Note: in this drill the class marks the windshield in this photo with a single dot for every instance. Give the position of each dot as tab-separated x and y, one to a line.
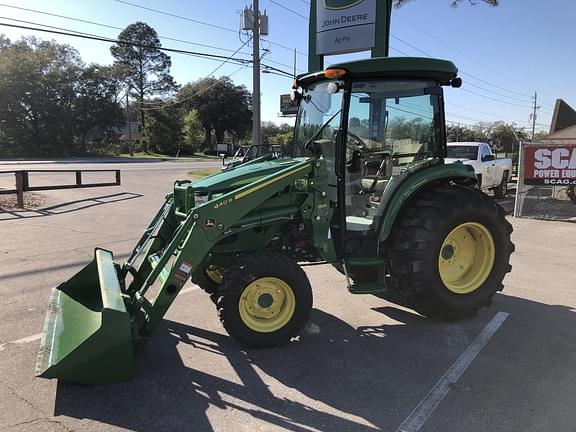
319	113
463	152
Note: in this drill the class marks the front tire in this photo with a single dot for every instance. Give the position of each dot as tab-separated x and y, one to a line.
571	192
264	300
450	251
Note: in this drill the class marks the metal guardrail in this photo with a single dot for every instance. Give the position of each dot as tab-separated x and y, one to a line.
22	180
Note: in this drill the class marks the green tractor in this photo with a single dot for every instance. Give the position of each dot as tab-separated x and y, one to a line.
365	190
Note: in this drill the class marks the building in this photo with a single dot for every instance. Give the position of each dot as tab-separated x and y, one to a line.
563	126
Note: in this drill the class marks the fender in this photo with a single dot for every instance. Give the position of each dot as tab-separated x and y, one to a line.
456	172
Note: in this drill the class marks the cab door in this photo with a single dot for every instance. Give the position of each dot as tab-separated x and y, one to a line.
390	127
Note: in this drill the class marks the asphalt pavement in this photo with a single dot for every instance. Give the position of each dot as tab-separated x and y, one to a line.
362	364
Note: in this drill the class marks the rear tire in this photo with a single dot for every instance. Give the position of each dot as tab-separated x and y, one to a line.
264	300
450	251
501	190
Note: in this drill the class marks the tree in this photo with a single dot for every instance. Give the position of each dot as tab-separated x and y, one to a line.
145	67
505	137
52	104
192	131
463	134
164	128
222	107
96	108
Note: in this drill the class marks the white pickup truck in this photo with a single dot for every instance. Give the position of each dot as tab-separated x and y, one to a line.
493	174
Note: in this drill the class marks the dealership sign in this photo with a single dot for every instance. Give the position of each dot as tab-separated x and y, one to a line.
344	26
550	165
288	107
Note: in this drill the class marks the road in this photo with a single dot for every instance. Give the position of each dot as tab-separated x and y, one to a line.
362	364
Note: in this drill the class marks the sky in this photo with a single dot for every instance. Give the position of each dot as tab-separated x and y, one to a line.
504	54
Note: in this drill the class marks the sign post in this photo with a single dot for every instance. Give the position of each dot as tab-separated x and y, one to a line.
346	26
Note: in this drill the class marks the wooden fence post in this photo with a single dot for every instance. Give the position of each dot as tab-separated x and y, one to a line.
19	188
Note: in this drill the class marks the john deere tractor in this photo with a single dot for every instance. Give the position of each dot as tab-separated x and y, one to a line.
365	190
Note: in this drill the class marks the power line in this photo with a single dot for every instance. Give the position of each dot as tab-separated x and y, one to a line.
210	74
490	84
461	123
121	42
106	26
493	99
496	93
288	9
159	105
456	49
178	16
198	22
480	112
206	56
461	71
411	46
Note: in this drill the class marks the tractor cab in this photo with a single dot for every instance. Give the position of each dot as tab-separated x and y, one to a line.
375	122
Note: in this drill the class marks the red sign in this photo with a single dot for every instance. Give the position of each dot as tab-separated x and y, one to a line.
550	165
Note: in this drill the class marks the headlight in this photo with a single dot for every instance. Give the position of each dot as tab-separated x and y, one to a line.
200	199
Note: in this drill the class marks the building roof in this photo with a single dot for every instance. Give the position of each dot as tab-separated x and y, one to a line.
564	116
568	133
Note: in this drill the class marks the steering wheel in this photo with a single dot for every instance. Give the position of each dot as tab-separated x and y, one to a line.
355	146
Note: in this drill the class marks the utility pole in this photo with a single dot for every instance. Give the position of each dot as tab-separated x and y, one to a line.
256	72
130	148
534	115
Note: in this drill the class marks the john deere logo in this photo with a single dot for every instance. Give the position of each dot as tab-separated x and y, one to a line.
340	4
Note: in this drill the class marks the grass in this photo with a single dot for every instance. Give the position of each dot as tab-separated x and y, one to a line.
201	173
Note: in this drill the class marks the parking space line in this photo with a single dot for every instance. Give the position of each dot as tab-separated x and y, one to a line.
38	336
430	402
23	340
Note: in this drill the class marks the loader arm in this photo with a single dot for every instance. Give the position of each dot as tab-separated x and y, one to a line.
96	318
203	227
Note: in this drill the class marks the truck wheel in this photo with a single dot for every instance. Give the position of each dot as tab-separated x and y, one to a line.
571	192
450	251
501	190
264	300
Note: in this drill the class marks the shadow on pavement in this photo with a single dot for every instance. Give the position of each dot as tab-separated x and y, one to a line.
67	207
43	270
354	379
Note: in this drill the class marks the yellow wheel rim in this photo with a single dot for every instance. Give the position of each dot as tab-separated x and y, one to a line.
215	274
267	304
466	258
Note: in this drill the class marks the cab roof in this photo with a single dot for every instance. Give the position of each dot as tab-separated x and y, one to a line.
392	67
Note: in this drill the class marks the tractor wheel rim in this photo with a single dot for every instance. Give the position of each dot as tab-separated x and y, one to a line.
214	274
466	258
267	304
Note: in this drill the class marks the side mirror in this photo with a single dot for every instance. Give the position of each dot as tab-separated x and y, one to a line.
295	97
488	158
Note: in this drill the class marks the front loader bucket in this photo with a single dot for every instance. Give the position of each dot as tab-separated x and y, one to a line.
87	334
